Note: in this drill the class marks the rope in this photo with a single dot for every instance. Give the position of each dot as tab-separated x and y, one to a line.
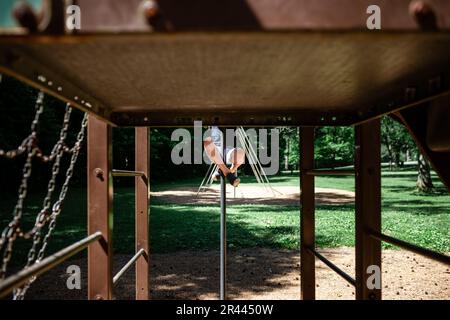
258	164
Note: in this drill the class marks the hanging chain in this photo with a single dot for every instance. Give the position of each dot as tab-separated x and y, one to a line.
10	233
57	206
22	148
11	154
48	213
58	149
19	294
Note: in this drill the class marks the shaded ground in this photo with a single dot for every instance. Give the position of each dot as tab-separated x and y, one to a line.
250	194
259	274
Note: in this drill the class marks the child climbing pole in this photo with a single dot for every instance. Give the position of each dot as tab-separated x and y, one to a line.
234	156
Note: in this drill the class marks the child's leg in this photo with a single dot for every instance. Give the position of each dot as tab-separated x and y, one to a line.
237	157
215	155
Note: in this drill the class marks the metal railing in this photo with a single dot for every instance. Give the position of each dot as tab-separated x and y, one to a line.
20	278
433	255
333	267
127	266
330	172
127	173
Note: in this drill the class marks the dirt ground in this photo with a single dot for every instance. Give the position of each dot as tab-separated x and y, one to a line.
247	194
258	274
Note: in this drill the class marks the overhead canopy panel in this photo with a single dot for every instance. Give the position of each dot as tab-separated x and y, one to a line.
256	63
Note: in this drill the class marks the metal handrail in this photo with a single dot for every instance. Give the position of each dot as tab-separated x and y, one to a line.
330	172
411	247
127	173
127	266
333	267
20	278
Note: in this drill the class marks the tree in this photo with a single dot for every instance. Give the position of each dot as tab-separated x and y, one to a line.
396	141
424	182
289	147
334	146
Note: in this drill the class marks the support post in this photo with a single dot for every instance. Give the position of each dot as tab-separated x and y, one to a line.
100	195
142	192
368	208
223	230
307	220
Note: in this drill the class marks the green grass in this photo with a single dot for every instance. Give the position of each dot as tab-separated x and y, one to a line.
407	214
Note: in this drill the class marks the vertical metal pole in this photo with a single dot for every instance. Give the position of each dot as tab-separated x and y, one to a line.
235	145
368	206
307	220
223	230
100	195
142	192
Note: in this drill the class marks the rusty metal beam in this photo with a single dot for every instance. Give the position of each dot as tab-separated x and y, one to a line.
307	220
415	121
100	196
142	183
244	117
36	73
113	15
368	205
83	65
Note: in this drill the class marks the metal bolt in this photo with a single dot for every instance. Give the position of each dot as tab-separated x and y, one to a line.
25	16
424	15
150	9
410	94
419	8
98	173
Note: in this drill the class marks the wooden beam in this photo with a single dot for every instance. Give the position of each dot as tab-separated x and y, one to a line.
307	221
100	195
142	161
368	206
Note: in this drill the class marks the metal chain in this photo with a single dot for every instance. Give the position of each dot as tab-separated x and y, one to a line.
43	216
19	294
11	154
9	234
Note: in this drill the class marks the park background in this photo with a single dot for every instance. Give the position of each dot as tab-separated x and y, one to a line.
185	236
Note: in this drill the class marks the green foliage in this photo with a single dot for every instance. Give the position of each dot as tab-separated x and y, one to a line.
334	146
289	147
396	141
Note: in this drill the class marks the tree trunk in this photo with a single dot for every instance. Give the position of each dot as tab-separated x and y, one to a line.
424	182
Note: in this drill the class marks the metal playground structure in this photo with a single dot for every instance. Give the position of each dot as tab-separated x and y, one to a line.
226	63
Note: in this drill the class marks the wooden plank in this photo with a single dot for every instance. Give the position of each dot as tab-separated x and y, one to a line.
368	206
307	220
142	193
100	195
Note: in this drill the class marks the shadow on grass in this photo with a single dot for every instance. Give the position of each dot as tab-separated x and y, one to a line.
190	228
